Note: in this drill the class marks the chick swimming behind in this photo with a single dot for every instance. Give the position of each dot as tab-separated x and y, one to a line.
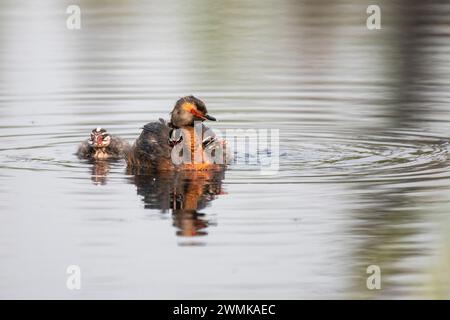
101	146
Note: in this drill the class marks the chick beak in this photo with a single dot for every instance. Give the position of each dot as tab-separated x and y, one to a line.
99	140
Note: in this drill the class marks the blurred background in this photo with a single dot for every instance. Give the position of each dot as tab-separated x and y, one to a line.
364	118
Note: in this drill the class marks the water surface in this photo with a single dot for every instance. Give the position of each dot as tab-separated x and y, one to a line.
364	176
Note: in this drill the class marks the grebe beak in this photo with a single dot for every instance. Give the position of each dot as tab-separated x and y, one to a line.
207	116
200	115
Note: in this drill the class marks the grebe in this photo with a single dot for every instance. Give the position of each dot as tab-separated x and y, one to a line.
154	148
101	146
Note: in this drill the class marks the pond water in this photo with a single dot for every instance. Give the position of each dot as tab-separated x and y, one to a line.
363	119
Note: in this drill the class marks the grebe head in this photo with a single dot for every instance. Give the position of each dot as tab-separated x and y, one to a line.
187	110
99	138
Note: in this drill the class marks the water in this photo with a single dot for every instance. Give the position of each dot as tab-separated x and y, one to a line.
364	174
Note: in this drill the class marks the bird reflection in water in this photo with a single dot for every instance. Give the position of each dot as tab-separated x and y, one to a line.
99	171
184	194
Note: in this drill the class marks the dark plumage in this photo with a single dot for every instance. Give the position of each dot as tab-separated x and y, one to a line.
152	150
